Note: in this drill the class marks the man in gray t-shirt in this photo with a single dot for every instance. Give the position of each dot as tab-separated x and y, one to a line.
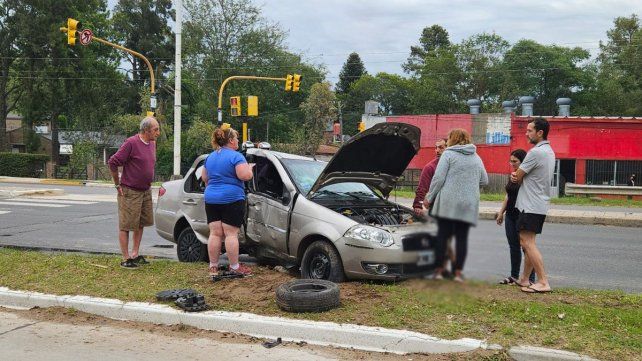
535	175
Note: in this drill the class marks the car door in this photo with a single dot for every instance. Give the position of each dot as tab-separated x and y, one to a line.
193	202
269	204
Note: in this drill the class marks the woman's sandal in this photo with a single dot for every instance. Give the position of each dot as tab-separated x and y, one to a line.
507	281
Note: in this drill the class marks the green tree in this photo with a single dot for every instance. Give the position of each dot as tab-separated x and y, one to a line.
10	89
432	39
143	26
226	38
544	71
392	91
479	58
352	70
320	110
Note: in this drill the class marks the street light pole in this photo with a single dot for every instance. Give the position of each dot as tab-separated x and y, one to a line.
177	91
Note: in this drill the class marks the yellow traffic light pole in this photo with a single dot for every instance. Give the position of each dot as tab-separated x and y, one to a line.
247	77
136	54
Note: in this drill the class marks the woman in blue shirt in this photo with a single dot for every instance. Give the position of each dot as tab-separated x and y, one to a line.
224	173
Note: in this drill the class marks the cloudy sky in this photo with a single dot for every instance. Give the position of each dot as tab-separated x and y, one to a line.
382	31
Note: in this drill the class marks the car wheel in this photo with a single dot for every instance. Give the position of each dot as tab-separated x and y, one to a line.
307	296
321	261
189	248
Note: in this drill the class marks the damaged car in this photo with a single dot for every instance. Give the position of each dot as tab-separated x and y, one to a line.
332	220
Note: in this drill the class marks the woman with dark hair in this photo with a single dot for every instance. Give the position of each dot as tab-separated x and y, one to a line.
510	221
224	172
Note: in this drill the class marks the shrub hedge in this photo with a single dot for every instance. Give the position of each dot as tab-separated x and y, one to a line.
22	164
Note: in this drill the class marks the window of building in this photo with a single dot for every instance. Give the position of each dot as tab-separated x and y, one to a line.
612	172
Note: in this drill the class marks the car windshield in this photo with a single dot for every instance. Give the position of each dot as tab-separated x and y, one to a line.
305	172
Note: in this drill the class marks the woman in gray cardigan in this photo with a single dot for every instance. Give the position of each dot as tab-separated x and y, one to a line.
454	197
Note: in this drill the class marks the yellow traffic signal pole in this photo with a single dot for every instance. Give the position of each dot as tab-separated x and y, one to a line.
220	96
136	54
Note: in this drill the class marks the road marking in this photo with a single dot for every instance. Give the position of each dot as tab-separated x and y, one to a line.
54	201
5	212
48	205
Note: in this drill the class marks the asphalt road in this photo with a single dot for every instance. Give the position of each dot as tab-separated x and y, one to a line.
599	257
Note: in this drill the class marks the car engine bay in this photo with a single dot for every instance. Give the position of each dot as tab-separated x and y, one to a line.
378	216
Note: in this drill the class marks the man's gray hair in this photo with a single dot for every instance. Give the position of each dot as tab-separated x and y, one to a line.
146	123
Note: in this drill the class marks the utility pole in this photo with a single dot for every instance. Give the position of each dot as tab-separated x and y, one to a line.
340	123
177	91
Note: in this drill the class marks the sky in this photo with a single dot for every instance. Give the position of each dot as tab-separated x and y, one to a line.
382	31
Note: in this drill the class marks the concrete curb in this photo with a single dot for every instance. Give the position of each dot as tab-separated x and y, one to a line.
620	219
530	353
313	332
27	192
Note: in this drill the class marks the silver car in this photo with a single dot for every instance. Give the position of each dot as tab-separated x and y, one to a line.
333	220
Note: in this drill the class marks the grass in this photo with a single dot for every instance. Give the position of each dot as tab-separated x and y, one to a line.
576	201
602	324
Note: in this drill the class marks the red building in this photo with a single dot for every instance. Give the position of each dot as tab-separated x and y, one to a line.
589	150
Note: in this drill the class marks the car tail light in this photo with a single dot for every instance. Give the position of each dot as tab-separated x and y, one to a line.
161	191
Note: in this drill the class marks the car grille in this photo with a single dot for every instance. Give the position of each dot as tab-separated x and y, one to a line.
418	242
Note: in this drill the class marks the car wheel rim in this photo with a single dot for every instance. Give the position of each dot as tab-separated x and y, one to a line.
191	247
319	266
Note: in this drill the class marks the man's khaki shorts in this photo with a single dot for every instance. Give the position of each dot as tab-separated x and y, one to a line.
135	209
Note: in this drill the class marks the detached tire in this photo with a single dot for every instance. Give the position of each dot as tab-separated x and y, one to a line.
307	295
321	261
189	248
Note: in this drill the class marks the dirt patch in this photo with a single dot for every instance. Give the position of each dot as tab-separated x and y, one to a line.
73	317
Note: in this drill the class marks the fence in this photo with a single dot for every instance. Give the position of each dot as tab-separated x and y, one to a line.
496	182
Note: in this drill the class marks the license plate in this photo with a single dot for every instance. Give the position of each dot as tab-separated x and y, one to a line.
426	258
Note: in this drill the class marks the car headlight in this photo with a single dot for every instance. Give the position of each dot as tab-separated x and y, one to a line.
372	234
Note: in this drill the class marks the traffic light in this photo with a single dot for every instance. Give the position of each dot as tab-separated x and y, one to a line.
72	27
296	82
252	106
362	126
288	82
235	106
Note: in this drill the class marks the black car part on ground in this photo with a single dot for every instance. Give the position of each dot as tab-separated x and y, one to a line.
192	303
226	274
307	295
171	295
270	344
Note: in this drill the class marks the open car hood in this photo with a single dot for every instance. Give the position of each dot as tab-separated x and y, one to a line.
376	157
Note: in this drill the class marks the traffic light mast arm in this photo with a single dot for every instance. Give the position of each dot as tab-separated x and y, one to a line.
246	77
136	54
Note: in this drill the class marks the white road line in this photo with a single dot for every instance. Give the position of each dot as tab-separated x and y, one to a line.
5	212
48	205
54	201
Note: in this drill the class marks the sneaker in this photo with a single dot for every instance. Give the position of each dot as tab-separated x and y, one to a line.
438	277
213	271
459	279
140	260
129	264
243	269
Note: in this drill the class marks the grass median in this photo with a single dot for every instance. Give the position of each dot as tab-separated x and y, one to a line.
602	324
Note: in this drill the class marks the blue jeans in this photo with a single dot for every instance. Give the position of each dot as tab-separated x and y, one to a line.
512	234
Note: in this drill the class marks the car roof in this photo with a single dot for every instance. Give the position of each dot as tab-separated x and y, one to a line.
279	155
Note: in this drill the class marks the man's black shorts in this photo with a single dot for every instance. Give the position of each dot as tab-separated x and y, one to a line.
229	213
530	222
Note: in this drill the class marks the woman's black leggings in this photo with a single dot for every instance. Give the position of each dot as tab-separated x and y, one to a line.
512	235
448	228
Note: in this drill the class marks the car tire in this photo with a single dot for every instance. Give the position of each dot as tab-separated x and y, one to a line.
322	261
189	248
307	295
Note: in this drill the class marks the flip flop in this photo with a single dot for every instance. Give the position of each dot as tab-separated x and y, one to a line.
530	289
522	285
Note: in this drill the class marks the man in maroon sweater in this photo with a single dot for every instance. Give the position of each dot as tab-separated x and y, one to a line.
424	186
137	156
426	178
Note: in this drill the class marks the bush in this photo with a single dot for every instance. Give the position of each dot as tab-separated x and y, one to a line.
22	164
